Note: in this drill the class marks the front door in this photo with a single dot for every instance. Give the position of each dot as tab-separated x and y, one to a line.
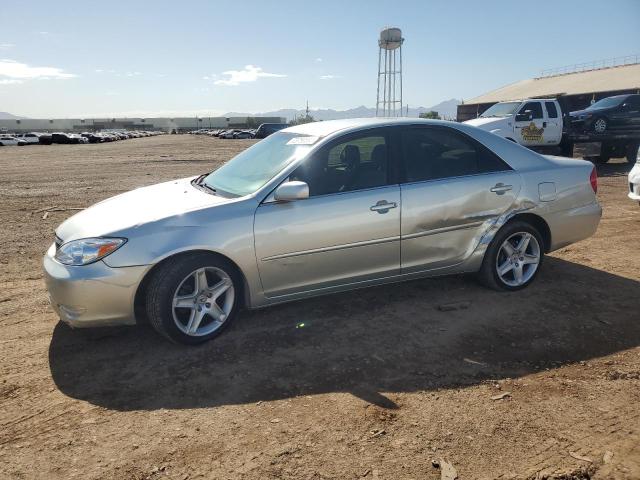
627	115
347	231
454	189
529	124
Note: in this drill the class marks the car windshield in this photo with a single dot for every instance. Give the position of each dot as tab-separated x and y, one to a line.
606	103
505	109
247	172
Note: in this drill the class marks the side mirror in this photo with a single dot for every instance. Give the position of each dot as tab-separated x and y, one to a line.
525	116
290	191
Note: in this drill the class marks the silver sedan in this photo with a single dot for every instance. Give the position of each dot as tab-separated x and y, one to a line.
316	209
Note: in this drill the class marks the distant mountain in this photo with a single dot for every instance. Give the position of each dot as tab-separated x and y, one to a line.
9	116
446	109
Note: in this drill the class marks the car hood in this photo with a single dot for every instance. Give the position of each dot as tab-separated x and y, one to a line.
579	112
488	123
138	207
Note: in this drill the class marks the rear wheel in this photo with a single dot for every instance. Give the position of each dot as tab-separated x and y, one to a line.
192	299
513	258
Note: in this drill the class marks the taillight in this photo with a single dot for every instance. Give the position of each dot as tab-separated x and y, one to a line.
594	180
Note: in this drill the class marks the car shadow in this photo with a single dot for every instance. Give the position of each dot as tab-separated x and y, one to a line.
415	336
615	168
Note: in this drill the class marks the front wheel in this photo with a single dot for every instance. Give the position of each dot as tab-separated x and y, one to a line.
192	299
600	125
513	258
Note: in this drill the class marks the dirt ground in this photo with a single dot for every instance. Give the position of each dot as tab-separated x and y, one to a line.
373	384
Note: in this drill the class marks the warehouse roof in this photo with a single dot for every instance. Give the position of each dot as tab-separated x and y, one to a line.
625	77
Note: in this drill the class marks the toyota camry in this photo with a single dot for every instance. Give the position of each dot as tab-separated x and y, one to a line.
316	209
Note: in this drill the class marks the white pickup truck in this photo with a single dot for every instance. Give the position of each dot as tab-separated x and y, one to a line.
532	122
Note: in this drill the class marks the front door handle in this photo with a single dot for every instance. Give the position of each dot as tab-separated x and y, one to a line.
501	188
383	206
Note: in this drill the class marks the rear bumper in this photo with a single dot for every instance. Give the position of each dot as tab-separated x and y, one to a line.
94	295
573	225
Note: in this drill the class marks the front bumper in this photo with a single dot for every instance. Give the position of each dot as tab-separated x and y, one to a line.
94	295
634	183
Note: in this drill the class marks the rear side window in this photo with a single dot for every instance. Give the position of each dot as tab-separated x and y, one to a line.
552	111
434	153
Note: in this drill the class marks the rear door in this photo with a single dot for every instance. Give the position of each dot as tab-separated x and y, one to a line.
552	124
453	189
529	124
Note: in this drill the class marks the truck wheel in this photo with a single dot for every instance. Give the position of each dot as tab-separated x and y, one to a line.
566	148
600	125
632	152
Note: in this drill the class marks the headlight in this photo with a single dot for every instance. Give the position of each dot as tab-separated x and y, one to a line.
585	116
87	250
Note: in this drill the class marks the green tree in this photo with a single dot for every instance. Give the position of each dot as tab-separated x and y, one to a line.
302	119
432	115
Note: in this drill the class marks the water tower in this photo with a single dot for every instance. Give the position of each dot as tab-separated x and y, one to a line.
389	98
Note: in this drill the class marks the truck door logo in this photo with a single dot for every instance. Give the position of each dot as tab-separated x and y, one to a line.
531	133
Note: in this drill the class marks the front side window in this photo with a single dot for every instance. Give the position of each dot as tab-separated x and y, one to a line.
357	163
435	153
534	107
252	169
633	102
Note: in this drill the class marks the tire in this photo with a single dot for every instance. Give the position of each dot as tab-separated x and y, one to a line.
496	255
632	152
600	125
174	281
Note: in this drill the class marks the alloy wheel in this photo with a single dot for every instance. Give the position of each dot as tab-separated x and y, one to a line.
203	301
600	125
518	259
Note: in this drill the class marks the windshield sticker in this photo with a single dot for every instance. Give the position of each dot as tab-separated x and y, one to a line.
302	140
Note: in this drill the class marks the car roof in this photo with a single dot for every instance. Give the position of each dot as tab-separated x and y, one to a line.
322	129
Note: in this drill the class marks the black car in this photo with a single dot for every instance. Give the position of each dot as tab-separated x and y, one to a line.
267	129
620	112
45	139
92	137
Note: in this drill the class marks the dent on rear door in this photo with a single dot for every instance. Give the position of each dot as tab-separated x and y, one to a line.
444	220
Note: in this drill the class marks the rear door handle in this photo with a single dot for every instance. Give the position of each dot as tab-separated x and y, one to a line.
383	206
501	188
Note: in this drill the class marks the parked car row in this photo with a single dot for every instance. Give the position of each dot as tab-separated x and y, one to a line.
227	133
34	138
263	131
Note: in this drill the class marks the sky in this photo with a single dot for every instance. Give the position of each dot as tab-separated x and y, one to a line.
168	58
